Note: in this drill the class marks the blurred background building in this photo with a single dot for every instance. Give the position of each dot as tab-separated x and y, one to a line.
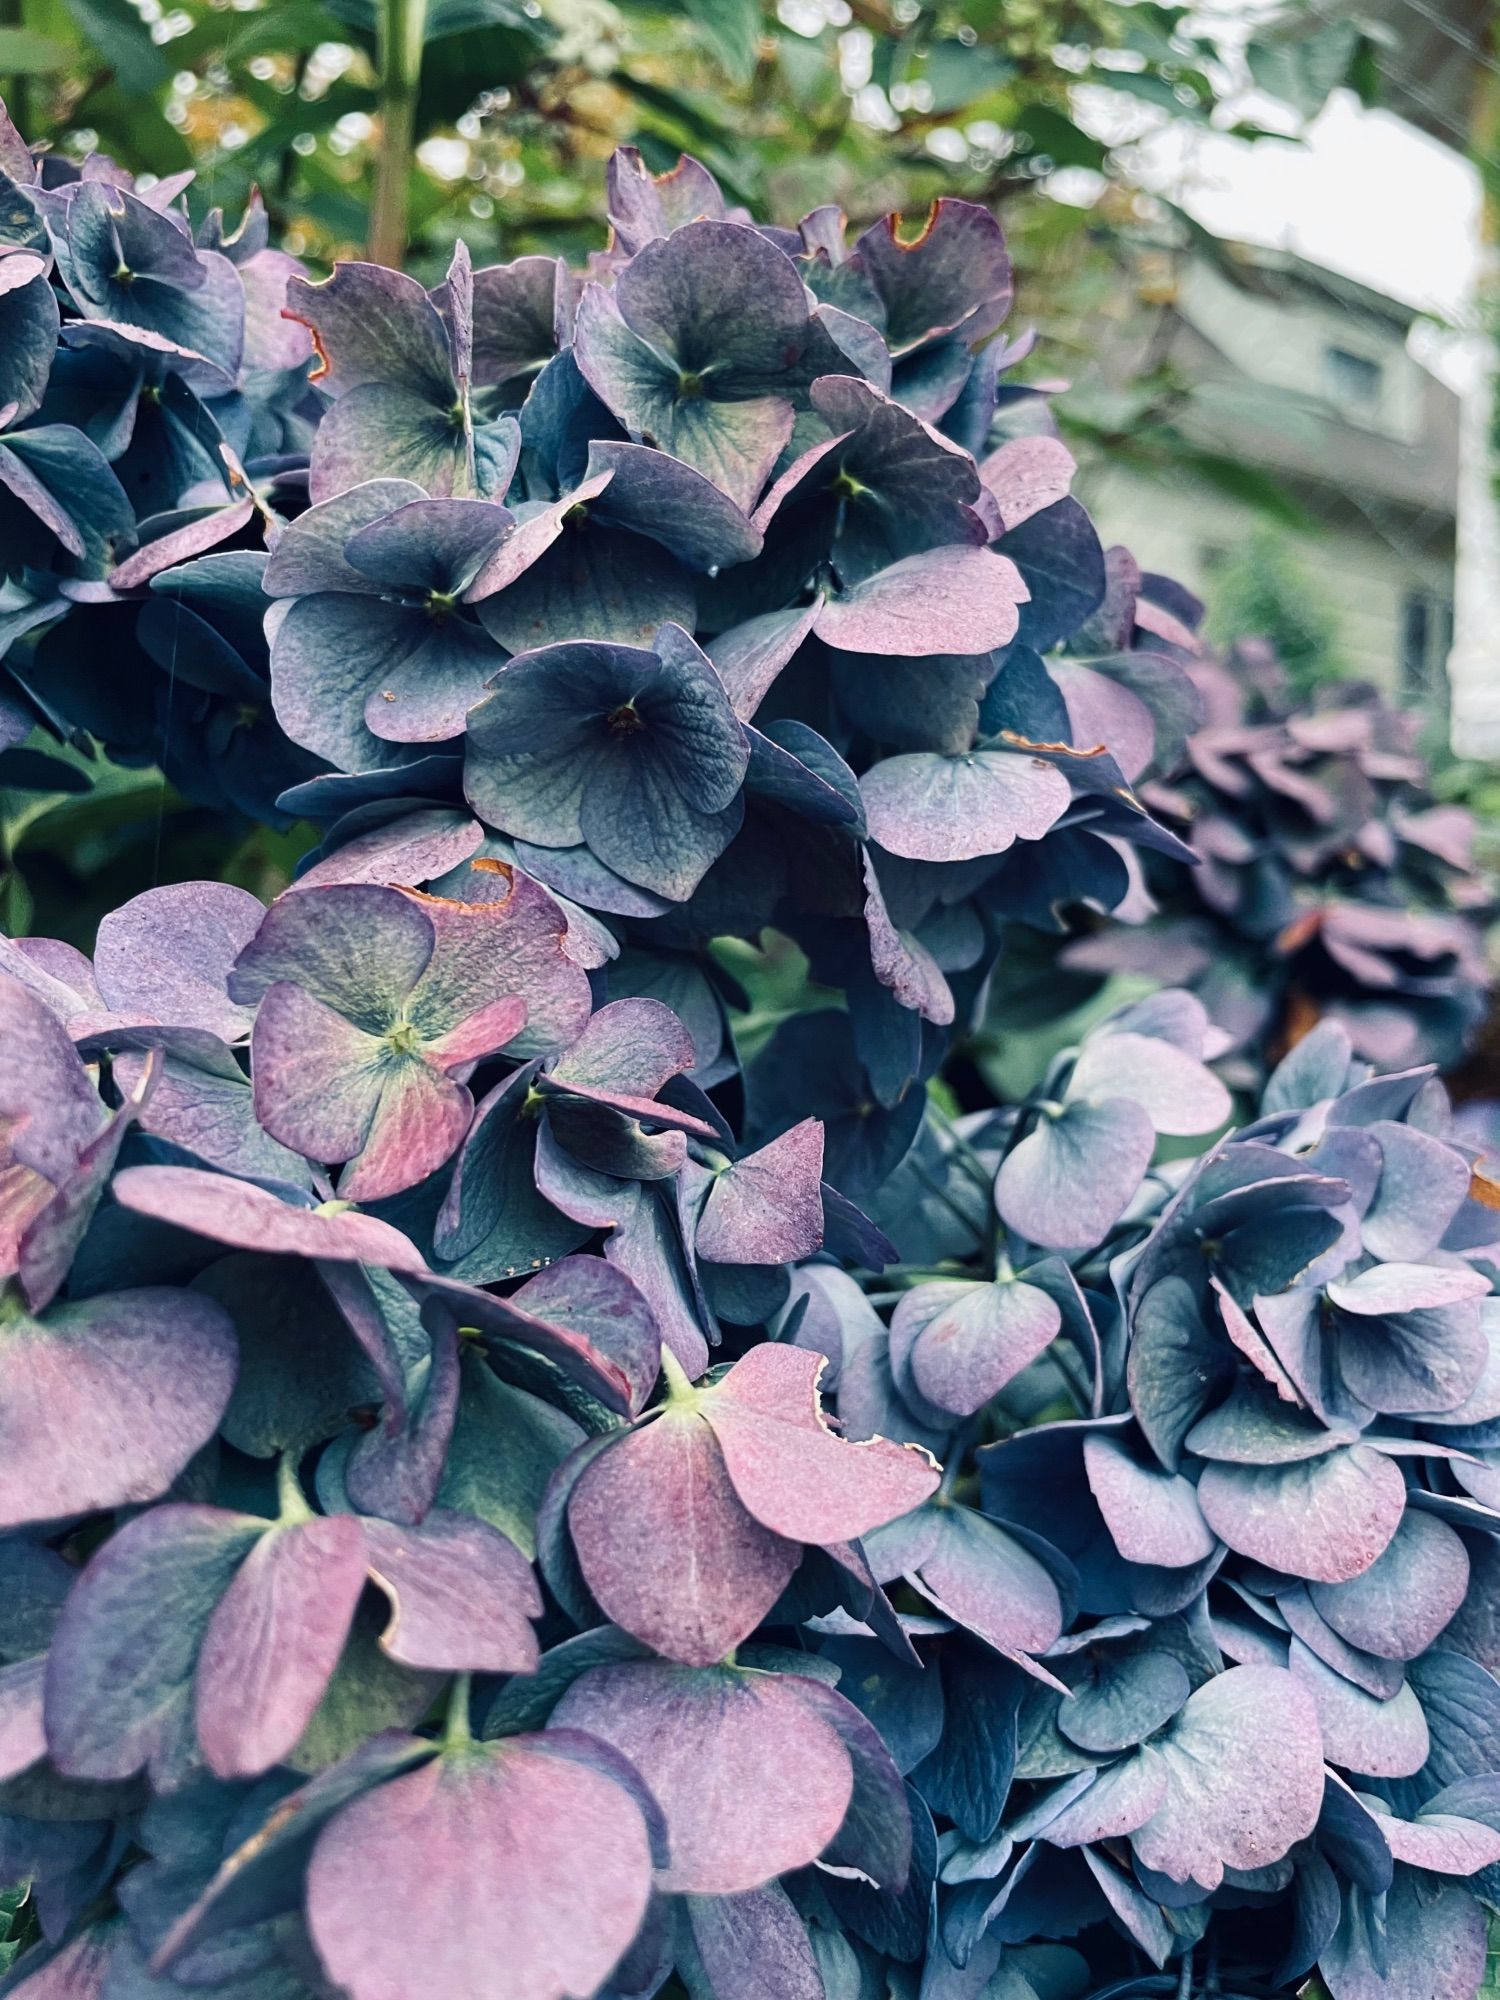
1306	378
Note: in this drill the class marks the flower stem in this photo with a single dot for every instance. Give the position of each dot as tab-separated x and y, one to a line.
679	1388
401	29
457	1732
292	1499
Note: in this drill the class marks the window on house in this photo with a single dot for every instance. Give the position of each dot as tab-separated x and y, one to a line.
1416	628
1353	381
1426	638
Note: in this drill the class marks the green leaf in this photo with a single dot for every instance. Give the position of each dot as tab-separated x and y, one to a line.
24	52
957	74
1303	66
1059	138
732	30
117	31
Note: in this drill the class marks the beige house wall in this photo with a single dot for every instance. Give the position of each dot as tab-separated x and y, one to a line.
1181	527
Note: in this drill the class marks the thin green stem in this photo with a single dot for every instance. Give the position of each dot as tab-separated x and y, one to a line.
401	30
679	1388
967	1157
457	1732
292	1499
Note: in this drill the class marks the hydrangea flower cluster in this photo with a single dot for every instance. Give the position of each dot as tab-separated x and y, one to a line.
686	584
1327	879
500	1498
372	1619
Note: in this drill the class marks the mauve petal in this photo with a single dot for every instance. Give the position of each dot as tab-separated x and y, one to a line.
790	1470
1153	1516
23	1739
752	1782
461	1594
928	807
666	1546
420	1123
768	1207
103	1402
952	600
274	1641
1244	1761
1326	1519
318	1079
534	1875
359	947
972	1339
250	1218
166	956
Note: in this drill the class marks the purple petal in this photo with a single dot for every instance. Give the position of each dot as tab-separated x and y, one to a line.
1429	1940
319	1080
249	1218
23	1739
397	1469
194	538
461	1595
548	1859
309	555
166	955
1398	1606
1442	1843
52	1236
1362	1734
502	935
1026	474
1069	1181
119	1674
752	1944
969	1340
768	1207
666	1546
51	1109
874	1843
370	324
752	1782
657	495
1244	1764
358	947
103	1402
986	1580
1152	1516
793	1474
262	1874
635	1046
1177	1092
749	657
644	1244
1405	1288
274	1640
951	600
1423	1184
594	1299
928	807
956	272
415	849
1326	1519
203	1104
553	1346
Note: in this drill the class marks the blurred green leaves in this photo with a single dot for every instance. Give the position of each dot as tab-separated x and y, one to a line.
868	103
